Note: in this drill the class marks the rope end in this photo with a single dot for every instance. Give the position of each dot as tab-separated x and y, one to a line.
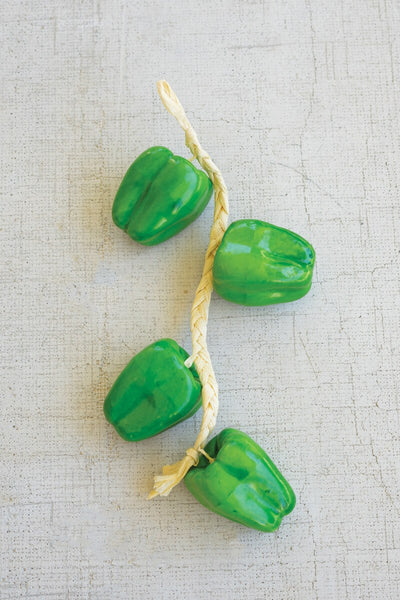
190	360
173	474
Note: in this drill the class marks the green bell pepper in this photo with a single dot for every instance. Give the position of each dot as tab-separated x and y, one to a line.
160	195
258	263
154	392
242	483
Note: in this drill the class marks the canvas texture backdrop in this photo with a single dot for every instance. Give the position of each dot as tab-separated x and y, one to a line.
297	101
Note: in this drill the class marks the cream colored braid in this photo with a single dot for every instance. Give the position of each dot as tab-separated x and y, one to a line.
173	474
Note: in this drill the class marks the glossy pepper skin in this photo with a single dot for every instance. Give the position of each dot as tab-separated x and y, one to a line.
242	484
160	195
154	392
258	263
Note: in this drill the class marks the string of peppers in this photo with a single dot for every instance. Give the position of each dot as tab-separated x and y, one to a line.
252	263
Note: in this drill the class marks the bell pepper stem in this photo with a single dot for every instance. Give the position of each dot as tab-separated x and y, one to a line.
173	474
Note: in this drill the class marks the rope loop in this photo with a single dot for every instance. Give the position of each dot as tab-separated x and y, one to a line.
193	453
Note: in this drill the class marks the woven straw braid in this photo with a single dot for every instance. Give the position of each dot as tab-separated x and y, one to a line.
173	474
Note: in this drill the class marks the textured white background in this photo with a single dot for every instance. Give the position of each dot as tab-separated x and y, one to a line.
298	103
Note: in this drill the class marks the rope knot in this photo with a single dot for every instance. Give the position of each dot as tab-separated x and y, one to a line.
193	453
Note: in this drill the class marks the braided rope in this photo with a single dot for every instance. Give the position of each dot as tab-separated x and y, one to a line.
173	474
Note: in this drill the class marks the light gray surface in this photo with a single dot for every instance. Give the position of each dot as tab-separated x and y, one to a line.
298	103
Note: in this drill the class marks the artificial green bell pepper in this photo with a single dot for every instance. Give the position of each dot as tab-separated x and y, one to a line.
258	263
242	484
154	392
160	195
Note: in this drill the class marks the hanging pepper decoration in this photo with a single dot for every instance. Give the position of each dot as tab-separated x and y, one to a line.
252	263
